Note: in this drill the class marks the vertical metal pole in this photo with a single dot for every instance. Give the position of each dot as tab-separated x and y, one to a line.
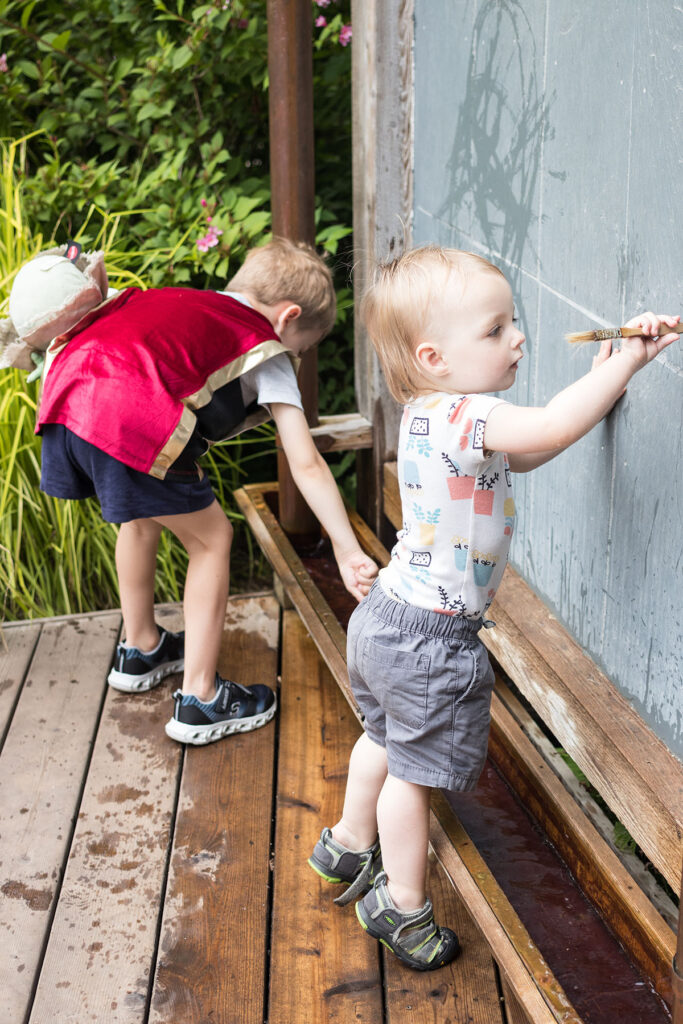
292	172
678	967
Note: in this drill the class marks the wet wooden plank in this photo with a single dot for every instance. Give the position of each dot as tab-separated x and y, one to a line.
521	963
17	643
599	872
41	774
212	952
465	990
321	621
101	947
322	962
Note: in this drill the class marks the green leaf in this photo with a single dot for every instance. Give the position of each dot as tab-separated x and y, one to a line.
182	56
61	41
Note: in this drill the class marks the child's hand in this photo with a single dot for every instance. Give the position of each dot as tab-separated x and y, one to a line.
357	572
644	348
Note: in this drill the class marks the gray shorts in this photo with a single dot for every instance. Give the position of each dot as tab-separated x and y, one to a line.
423	682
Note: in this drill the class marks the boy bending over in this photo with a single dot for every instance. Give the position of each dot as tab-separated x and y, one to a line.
137	386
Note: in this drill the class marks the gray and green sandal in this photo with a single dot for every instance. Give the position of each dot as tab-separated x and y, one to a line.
335	863
413	937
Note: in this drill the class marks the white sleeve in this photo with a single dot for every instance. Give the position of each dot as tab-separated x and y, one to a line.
273	381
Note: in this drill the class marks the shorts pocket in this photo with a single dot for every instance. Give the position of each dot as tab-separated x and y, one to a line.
399	682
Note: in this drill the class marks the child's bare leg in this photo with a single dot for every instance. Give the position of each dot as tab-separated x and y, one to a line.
357	827
403	818
207	537
136	553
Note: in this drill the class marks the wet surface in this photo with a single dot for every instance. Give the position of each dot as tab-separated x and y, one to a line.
586	959
589	963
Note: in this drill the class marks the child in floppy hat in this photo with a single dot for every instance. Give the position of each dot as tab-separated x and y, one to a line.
137	385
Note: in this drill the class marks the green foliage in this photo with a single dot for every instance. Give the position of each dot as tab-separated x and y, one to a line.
45	543
139	122
148	108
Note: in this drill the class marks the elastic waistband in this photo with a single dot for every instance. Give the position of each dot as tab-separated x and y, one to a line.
412	619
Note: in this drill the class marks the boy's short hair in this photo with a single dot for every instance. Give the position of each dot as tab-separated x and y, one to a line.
282	269
399	308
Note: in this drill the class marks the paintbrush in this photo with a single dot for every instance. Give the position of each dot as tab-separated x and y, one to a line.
618	332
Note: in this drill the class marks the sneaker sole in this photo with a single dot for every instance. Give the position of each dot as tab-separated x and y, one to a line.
138	684
322	872
398	950
201	734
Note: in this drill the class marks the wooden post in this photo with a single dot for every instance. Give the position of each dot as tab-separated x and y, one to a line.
678	967
382	91
292	172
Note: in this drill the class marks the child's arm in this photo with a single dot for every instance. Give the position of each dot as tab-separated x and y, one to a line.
524	463
315	481
542	432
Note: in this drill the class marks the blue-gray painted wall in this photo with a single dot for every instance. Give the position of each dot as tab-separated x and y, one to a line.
547	137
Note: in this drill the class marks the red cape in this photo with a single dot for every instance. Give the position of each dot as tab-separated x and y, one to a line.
135	376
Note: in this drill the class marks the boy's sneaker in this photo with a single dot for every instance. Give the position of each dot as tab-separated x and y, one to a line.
235	708
335	863
135	671
413	936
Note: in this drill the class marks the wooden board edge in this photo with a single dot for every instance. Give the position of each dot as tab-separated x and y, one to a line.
599	872
537	991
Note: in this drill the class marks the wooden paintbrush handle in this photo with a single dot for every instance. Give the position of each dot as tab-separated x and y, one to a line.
632	332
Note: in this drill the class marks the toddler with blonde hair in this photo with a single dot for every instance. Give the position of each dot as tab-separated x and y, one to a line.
444	326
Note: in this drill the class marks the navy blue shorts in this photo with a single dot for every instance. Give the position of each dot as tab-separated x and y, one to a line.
73	468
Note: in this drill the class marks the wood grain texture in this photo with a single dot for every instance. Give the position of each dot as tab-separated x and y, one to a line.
640	780
16	649
102	942
212	952
599	872
41	769
320	620
324	967
521	963
346	432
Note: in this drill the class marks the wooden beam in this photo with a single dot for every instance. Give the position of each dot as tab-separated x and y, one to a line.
41	768
347	432
322	967
292	175
519	959
597	869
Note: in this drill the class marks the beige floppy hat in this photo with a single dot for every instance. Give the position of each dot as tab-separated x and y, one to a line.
50	294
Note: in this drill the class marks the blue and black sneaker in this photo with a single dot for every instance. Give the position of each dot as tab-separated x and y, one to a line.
235	708
135	670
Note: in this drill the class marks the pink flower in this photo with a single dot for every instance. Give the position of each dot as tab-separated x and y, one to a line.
203	202
3	62
209	239
323	3
320	22
345	35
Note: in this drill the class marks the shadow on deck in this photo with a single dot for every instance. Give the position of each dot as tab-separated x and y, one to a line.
141	881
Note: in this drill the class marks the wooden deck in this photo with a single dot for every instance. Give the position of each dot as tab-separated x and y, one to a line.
141	881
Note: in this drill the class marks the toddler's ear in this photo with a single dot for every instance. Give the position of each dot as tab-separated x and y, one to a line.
429	359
